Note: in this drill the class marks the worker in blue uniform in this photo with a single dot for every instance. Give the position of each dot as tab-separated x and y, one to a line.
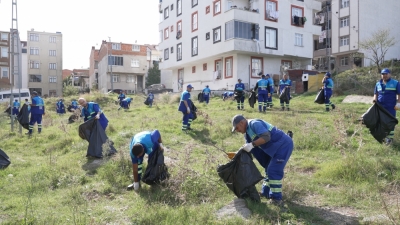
91	110
37	112
60	107
28	105
150	99
74	104
184	106
272	149
328	86
285	83
121	97
262	88
270	90
239	89
15	109
126	103
146	142
387	94
227	94
206	94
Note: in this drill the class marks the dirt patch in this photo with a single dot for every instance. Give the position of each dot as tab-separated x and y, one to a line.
358	99
237	207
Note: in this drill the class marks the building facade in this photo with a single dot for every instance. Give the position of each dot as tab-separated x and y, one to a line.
5	60
215	42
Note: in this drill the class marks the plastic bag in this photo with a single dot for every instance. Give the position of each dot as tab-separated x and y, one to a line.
320	98
156	170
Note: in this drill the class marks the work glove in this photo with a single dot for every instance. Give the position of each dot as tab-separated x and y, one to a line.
161	147
188	110
136	186
397	107
248	147
97	116
269	94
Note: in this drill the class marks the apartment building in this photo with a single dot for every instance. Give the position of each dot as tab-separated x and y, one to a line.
45	63
344	23
215	42
5	62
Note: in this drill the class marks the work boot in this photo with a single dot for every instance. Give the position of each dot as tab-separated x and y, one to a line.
327	109
275	202
189	128
288	109
283	109
333	106
389	141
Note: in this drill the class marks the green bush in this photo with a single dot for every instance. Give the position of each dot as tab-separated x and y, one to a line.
70	91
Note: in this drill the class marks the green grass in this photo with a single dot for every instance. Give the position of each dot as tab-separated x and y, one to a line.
335	163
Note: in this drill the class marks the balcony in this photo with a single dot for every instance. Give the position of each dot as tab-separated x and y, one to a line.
245	5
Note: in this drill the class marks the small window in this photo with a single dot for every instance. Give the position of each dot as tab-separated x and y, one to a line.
53	39
4	37
194	46
298	16
179	52
166	13
34	65
135	63
207	9
34	51
172	28
33	37
172	7
271	10
344	3
52	93
298	39
166	54
35	78
207	35
217	7
344	61
344	22
193	69
271	38
194	21
178	7
256	66
116	46
4	52
52	79
204	66
228	67
217	34
52	66
344	41
172	50
4	72
136	48
194	3
130	79
115	78
166	33
52	53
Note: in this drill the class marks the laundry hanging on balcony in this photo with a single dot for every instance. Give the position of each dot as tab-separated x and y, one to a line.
272	14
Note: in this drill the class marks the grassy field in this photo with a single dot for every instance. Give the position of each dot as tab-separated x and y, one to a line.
337	174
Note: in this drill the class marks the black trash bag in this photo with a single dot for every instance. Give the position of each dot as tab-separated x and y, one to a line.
241	175
23	117
69	108
147	101
284	95
8	111
252	99
92	131
156	170
379	121
193	110
320	98
4	160
238	95
200	97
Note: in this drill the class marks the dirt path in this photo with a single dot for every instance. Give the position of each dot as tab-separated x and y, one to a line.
358	99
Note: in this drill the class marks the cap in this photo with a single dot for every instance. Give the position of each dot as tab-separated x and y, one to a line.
239	79
385	71
267	75
34	93
263	75
328	74
190	86
206	85
235	120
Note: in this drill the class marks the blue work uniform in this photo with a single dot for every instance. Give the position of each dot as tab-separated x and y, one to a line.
126	103
271	91
90	111
262	87
60	107
282	85
121	97
149	141
150	99
328	86
37	111
227	94
74	104
206	94
239	88
272	155
16	106
187	117
387	96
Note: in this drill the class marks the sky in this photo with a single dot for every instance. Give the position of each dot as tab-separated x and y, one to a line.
85	23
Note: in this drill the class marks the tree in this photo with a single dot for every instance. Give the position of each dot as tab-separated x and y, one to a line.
153	76
377	46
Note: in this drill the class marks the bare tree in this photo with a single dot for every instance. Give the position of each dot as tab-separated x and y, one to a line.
377	45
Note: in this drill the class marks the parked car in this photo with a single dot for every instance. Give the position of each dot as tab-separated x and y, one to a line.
157	88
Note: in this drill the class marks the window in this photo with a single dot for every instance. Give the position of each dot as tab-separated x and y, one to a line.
52	53
115	78
344	61
218	68
271	8
136	48
194	3
4	72
204	66
166	13
271	38
297	16
161	35
207	10
179	29
52	39
166	54
116	46
171	7
344	22
344	40
194	21
52	79
298	39
344	3
33	37
207	35
217	7
193	69
172	50
4	37
4	52
243	30
228	67
172	28
217	34
179	52
35	78
115	60
166	33
256	66
286	63
52	93
34	64
178	7
194	46
34	51
52	66
135	63
130	79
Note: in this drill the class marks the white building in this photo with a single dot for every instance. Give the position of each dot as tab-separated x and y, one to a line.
215	42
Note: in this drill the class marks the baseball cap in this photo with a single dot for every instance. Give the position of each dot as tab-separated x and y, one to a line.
328	74
190	86
267	75
235	120
240	79
385	71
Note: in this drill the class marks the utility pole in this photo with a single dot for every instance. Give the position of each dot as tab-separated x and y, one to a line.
112	61
328	42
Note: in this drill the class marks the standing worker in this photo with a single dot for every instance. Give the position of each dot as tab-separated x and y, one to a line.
387	93
262	86
37	111
285	83
91	110
206	94
150	99
121	97
270	90
272	149
15	109
328	86
239	90
184	106
74	104
60	107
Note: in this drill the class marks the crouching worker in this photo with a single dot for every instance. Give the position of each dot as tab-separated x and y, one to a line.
272	149
146	142
126	103
91	110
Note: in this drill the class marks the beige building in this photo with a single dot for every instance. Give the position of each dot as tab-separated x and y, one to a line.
45	63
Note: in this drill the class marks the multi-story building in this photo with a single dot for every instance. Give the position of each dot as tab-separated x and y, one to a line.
128	64
215	42
345	23
5	62
45	63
